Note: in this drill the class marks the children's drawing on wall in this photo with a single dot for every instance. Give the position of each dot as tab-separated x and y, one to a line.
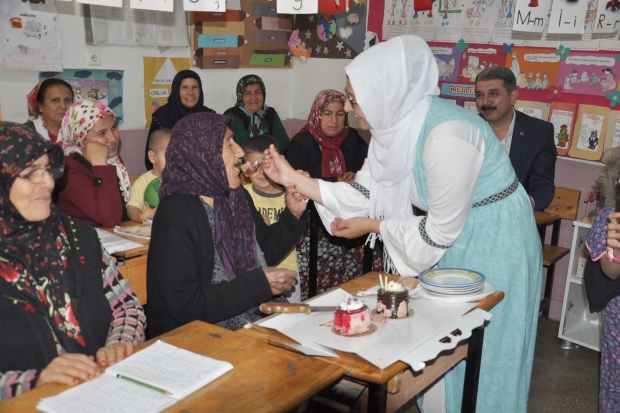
448	60
562	121
477	10
588	25
616	137
612	5
504	14
591	127
392	11
534	69
448	8
586	74
474	61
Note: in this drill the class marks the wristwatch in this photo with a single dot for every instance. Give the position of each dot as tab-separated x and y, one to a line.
610	256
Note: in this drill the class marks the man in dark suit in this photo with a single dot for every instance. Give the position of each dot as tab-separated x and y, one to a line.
528	141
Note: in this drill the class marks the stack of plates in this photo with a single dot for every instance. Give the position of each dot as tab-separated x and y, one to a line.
449	282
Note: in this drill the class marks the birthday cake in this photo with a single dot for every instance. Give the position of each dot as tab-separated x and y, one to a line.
352	318
393	300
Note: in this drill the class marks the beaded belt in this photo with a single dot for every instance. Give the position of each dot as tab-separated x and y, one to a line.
489	200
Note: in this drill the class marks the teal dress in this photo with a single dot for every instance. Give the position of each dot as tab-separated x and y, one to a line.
501	241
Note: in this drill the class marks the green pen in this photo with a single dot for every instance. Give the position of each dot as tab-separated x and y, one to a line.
148	386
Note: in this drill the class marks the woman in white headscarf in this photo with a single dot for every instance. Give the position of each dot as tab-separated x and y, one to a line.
444	160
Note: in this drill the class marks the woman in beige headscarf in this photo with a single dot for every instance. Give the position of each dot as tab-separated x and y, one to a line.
444	160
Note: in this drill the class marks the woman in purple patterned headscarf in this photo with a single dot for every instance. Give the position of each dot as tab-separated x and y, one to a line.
210	248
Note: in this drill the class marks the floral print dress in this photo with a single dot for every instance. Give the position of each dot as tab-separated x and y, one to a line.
609	393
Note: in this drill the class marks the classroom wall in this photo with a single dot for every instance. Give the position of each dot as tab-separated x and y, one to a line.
290	91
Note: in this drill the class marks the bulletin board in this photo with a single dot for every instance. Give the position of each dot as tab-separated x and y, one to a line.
248	34
571	80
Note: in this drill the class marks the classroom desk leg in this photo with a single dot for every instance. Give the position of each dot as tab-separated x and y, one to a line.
472	371
377	398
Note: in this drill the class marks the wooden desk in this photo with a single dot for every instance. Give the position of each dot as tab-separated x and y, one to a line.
134	260
543	219
264	378
378	380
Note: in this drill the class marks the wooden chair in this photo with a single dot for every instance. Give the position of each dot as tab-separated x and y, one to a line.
564	205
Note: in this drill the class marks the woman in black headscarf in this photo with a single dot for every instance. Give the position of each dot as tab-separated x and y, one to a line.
210	249
63	303
186	98
251	115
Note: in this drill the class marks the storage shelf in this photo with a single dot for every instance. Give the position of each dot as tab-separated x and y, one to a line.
582	332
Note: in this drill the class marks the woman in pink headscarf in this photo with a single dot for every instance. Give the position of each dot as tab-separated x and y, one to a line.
95	187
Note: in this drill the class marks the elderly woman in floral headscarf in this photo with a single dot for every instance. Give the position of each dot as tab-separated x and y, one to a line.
64	308
252	117
328	149
95	187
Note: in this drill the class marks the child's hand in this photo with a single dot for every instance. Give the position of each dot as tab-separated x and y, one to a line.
266	219
148	212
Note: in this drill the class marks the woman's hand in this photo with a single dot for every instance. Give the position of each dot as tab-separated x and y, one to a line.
95	153
348	177
113	353
354	227
69	369
280	279
277	168
296	202
613	232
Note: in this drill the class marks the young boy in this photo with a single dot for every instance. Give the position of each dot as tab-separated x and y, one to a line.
269	199
137	209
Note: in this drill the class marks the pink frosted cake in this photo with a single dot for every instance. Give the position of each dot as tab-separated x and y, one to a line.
352	318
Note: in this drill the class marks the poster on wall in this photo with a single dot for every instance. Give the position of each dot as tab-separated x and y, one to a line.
28	37
248	34
589	133
337	31
538	110
104	86
448	61
562	116
588	74
613	130
158	75
534	68
607	19
476	59
567	16
135	27
531	15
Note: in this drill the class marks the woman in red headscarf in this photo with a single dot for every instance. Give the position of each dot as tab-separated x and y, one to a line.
327	148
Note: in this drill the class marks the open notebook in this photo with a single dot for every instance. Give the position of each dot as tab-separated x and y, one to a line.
148	381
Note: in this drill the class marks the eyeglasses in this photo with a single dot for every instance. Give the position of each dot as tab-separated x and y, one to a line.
350	99
36	176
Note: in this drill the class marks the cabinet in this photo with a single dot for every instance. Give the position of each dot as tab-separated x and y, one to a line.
578	325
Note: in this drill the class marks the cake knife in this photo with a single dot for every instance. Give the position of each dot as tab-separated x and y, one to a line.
287	308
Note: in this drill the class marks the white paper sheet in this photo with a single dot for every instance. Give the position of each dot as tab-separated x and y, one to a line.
159	5
298	6
204	5
28	37
567	16
531	15
113	243
135	27
388	344
174	369
106	394
107	3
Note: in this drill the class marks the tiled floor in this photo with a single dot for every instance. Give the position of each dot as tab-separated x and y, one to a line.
563	381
